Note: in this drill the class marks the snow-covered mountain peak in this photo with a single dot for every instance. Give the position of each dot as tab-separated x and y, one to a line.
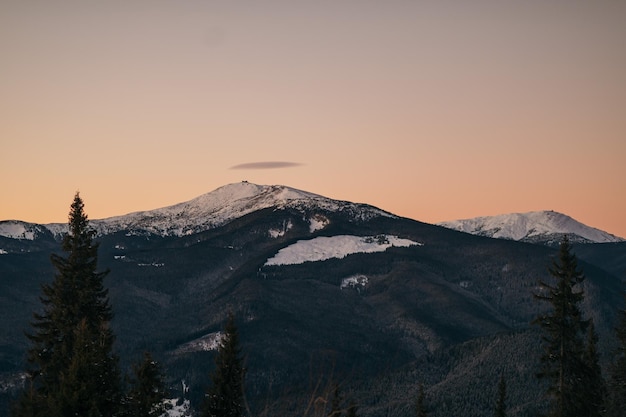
250	194
537	226
221	206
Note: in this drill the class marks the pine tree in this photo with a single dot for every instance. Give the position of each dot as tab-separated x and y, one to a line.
617	381
147	394
564	328
420	408
71	355
594	388
501	401
225	396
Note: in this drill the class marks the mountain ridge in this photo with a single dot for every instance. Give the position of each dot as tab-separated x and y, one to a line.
228	202
205	212
546	227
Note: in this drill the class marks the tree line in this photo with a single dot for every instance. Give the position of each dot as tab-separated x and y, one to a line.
73	370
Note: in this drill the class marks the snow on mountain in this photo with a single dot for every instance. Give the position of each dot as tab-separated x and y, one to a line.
357	282
208	342
16	229
223	205
322	248
175	407
536	226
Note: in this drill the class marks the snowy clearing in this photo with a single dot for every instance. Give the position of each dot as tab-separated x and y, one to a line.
322	248
210	341
318	222
355	281
275	233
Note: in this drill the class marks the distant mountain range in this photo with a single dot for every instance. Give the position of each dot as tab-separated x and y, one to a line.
546	227
231	201
322	290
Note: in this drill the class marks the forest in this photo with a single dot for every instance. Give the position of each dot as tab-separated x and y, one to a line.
74	369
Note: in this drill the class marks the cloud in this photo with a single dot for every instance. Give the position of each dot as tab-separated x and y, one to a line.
266	165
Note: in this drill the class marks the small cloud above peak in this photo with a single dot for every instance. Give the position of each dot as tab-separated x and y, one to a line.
267	165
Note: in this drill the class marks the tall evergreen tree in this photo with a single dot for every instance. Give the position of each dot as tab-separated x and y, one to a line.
71	356
500	410
225	396
147	393
617	381
420	408
594	387
564	328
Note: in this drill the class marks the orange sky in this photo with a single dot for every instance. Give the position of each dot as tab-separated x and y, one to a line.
431	110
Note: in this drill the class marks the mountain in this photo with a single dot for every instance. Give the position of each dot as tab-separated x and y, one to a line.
221	206
546	227
208	211
323	290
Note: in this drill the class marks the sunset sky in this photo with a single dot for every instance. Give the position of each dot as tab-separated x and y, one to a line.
434	110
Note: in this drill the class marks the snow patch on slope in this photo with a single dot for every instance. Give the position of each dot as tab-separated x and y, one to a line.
209	342
174	409
318	222
276	233
322	248
358	282
530	226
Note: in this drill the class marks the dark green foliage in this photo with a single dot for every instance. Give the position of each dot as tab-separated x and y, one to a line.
147	393
73	370
225	396
90	384
500	410
617	381
594	389
420	408
564	362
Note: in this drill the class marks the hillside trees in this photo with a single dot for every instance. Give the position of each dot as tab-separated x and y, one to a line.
225	396
73	370
500	410
147	393
567	361
595	390
420	408
617	380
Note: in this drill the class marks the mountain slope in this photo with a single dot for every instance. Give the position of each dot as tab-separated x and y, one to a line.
545	227
321	289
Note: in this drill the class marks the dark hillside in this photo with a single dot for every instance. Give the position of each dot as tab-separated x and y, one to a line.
452	313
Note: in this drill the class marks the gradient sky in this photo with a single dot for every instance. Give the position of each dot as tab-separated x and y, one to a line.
431	110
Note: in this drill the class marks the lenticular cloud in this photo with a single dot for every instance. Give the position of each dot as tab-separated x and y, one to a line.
266	165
